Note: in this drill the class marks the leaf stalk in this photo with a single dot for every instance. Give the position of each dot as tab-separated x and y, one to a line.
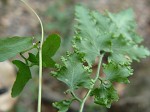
76	97
96	78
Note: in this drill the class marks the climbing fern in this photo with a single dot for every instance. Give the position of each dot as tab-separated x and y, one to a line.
108	35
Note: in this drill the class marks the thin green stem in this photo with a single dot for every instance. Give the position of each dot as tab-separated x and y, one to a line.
24	58
40	58
34	46
76	97
96	78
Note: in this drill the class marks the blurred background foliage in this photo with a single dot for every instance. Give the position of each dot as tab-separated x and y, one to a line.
58	17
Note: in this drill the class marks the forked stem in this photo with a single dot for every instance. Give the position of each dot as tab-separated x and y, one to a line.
40	57
94	81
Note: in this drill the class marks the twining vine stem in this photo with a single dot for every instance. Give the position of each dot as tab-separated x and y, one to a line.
94	81
40	57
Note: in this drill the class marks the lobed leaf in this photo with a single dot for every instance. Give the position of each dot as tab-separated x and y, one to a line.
50	46
33	59
105	95
115	36
102	23
125	24
117	73
90	39
120	48
124	51
23	76
63	106
138	52
10	47
73	73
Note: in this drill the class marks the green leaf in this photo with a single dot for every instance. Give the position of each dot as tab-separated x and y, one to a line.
119	58
124	51
105	95
123	19
48	62
111	35
10	47
117	73
119	50
23	76
73	73
114	34
125	25
63	106
102	22
138	52
33	58
90	39
50	46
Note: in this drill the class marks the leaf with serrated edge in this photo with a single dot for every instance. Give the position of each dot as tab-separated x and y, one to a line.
10	47
102	22
105	95
113	35
125	24
120	48
117	73
62	106
73	74
138	52
89	40
127	51
23	76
